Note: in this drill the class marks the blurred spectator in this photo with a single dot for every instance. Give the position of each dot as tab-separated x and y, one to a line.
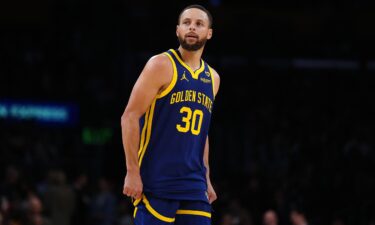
34	211
338	221
229	219
59	198
270	217
11	190
103	205
82	199
298	217
236	214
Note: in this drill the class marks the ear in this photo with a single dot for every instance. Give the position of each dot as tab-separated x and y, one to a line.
177	30
209	35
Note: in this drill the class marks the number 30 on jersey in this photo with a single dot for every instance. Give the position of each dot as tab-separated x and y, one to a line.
191	120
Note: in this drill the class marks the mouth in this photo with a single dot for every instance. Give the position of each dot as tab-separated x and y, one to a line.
191	35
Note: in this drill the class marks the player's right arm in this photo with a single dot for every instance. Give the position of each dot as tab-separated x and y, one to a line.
154	78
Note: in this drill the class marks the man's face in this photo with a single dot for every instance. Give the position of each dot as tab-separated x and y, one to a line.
193	29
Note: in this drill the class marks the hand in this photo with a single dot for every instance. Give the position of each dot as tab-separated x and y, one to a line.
133	186
211	194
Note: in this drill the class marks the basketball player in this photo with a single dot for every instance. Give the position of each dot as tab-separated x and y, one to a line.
165	130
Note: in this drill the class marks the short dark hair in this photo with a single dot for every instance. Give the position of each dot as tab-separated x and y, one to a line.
196	6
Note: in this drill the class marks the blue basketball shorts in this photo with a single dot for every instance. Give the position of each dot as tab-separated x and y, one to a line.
157	211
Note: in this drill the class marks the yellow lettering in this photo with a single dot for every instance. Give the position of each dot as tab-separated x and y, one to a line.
173	98
209	105
206	101
191	96
187	95
178	97
194	94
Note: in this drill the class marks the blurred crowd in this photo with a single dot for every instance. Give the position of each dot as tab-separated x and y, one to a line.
292	149
56	201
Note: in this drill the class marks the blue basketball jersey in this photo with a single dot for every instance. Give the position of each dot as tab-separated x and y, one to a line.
174	132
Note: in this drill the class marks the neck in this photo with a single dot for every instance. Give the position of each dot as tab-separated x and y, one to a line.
191	58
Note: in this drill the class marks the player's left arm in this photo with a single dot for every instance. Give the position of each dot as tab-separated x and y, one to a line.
210	190
216	81
211	194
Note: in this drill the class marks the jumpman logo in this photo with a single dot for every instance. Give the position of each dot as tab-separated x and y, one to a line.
184	77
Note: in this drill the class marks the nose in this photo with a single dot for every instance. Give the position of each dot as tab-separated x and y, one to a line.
192	27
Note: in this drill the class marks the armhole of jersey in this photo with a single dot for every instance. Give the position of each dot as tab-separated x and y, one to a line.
213	81
174	78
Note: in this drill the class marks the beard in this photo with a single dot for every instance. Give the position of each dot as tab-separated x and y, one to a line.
192	47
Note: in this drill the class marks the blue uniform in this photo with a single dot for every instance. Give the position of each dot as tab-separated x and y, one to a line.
173	137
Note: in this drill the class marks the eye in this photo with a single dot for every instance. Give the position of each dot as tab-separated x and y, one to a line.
200	24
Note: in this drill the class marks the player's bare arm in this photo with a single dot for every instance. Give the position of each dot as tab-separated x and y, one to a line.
210	190
211	194
216	81
155	77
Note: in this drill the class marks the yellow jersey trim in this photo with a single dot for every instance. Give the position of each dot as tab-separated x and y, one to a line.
143	134
135	212
213	80
156	214
174	78
137	201
193	212
149	126
193	74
